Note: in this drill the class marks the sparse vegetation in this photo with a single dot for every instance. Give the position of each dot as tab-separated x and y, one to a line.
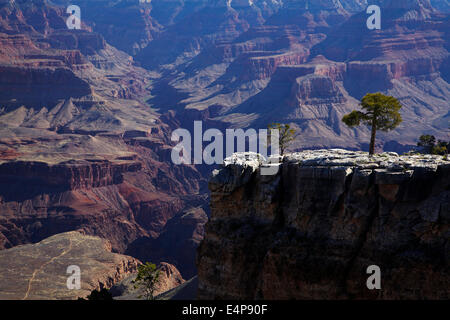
427	144
287	135
380	112
147	279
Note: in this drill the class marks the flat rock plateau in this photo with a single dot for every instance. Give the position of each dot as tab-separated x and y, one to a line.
39	271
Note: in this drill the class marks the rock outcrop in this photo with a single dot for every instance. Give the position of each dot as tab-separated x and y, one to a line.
169	278
312	230
185	291
39	271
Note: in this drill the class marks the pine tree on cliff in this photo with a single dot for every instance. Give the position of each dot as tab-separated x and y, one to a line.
380	112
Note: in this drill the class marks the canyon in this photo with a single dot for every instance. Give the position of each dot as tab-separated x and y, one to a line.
86	115
80	150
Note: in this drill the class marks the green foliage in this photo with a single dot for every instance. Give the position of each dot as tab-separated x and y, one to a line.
428	144
380	112
147	279
286	134
354	118
440	149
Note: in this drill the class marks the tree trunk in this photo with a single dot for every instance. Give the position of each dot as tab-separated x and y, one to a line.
372	138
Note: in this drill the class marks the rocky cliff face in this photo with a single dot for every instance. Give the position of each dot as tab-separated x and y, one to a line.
311	231
67	176
40	86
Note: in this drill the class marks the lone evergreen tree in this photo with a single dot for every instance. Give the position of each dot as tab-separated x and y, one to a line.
380	112
147	279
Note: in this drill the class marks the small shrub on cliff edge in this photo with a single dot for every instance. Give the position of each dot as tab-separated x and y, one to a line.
286	135
428	145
